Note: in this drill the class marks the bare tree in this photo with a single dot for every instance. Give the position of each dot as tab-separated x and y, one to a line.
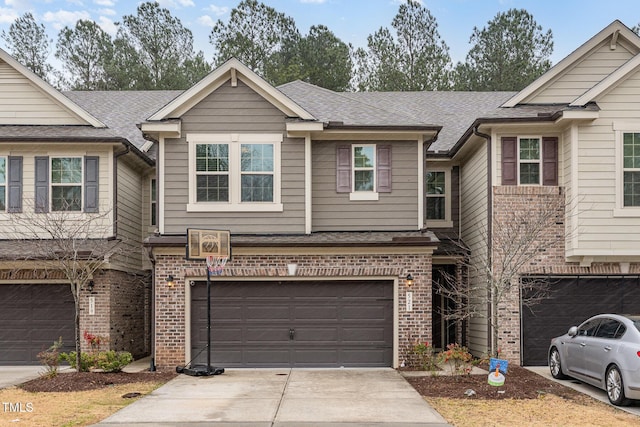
508	266
74	243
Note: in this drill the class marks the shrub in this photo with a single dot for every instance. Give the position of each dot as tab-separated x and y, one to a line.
50	358
424	356
86	360
112	361
459	357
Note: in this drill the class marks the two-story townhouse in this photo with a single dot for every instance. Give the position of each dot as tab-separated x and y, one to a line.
565	142
57	157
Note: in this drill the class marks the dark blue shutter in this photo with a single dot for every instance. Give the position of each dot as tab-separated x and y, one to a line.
383	171
15	184
41	200
91	183
343	169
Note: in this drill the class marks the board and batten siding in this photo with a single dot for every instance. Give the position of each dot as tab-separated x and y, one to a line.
234	110
602	231
22	103
597	65
473	226
396	210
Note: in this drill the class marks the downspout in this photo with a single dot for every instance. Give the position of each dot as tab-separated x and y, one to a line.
489	229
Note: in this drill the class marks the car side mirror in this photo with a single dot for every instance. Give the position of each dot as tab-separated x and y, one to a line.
573	331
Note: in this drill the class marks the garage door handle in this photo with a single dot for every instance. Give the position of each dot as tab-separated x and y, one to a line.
607	348
582	344
292	332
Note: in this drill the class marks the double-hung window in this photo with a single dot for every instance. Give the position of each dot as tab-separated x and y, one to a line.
435	188
631	169
234	172
363	170
66	183
529	160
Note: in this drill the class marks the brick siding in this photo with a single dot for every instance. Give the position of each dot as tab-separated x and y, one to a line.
170	302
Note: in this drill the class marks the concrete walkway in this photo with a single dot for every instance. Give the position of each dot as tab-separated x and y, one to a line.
283	398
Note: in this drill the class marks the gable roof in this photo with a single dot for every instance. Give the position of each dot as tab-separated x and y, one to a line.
51	92
608	82
615	30
230	70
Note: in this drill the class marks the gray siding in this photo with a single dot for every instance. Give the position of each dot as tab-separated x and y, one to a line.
241	110
397	210
128	208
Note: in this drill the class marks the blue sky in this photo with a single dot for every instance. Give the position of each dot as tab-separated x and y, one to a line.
572	21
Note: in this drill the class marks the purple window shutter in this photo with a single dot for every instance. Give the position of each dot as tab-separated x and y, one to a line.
550	161
383	171
509	160
343	169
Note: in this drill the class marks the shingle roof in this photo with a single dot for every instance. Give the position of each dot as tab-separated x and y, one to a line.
122	111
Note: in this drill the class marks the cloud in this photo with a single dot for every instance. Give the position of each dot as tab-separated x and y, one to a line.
63	18
107	25
109	12
206	20
104	3
218	10
173	4
313	1
8	15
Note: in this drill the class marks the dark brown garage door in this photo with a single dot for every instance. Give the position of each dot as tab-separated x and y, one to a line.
32	317
283	324
572	301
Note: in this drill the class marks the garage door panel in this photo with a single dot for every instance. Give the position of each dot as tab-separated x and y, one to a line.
33	316
571	301
326	317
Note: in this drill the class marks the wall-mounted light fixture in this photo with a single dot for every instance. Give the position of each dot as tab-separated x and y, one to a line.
170	281
90	285
409	280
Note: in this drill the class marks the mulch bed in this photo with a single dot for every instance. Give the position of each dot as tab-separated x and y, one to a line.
80	381
520	383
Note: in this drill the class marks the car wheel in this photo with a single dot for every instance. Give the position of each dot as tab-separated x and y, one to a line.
555	365
615	387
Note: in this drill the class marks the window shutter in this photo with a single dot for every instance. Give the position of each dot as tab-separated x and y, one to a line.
91	183
509	160
383	171
343	169
550	161
15	184
42	185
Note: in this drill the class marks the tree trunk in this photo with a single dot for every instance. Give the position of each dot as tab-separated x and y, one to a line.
75	288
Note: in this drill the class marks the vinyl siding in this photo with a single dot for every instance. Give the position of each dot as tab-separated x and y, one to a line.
473	205
22	103
397	210
595	66
29	152
129	205
234	110
601	231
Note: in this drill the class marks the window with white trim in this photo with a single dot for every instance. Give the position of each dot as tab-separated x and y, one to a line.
3	184
529	159
234	172
436	188
364	172
631	169
66	183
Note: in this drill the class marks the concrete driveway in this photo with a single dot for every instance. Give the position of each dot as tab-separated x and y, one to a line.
14	375
587	389
283	397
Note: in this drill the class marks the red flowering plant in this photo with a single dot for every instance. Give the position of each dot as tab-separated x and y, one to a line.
423	355
94	341
458	357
